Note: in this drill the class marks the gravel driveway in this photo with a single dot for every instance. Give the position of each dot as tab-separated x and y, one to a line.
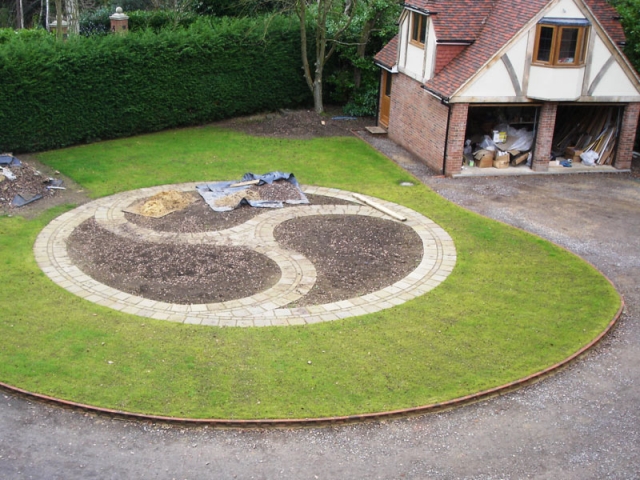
582	423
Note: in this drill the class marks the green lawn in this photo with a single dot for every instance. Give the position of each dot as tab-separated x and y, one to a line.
514	304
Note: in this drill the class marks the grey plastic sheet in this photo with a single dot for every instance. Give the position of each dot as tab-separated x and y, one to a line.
9	161
213	192
23	199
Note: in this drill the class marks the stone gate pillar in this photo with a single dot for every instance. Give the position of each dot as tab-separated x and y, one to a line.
119	22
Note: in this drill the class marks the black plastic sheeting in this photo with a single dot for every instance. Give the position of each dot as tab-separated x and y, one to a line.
211	192
21	200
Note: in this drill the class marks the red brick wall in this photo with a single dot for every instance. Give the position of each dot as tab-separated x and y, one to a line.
455	140
544	137
627	136
446	53
418	121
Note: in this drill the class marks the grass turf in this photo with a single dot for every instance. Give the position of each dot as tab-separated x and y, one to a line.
513	305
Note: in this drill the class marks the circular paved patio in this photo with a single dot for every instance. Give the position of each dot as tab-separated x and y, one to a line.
267	308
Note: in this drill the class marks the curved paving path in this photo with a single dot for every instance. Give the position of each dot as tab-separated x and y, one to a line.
581	424
267	308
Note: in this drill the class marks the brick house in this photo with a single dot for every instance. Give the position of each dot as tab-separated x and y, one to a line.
460	65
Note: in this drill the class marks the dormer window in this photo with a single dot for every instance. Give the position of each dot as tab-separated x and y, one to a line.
561	42
418	29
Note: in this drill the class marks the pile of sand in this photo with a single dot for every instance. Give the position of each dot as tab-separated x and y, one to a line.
164	203
233	199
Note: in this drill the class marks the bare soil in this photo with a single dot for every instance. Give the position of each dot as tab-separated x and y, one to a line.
353	255
32	178
199	217
299	124
183	274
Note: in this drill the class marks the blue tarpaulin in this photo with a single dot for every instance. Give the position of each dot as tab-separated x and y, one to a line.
213	192
9	161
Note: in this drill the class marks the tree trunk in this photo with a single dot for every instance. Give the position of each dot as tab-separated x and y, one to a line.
321	55
318	105
59	19
19	14
72	16
362	45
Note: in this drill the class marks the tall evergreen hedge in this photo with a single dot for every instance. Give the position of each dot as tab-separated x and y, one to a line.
54	94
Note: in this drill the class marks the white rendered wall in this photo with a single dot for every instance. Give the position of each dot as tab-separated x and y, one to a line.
518	57
415	62
495	82
598	57
411	57
565	9
615	83
553	83
431	51
404	27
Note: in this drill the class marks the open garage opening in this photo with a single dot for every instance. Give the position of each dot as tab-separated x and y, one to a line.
583	129
500	136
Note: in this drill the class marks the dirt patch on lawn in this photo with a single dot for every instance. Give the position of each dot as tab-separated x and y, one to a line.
299	124
172	273
33	178
353	255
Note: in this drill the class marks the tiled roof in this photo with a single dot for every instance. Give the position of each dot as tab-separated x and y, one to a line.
608	18
504	19
503	22
489	24
387	57
455	19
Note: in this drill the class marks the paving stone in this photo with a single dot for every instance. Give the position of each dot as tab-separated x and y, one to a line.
263	309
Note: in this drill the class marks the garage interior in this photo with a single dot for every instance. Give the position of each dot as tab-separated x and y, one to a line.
499	136
586	134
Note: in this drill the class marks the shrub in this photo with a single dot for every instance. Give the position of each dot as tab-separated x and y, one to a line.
54	94
98	22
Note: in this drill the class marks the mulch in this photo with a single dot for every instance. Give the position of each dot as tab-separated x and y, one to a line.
29	181
199	217
184	274
353	255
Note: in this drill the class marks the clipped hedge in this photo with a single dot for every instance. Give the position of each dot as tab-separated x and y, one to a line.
98	21
55	94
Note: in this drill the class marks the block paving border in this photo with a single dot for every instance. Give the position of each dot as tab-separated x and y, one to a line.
267	308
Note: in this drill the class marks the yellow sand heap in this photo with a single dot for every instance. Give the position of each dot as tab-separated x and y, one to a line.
233	199
165	202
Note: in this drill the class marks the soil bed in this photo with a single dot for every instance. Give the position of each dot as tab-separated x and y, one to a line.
299	124
353	255
177	273
199	217
32	179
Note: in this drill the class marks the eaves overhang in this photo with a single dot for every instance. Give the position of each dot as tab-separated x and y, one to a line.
390	69
454	41
424	11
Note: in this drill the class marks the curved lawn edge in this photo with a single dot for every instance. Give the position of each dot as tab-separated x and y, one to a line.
495	328
346	419
328	421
